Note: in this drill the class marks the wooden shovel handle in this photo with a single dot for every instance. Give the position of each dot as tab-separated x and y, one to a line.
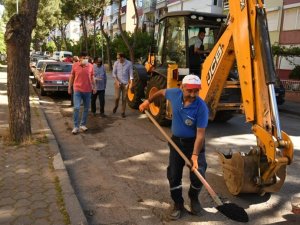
187	161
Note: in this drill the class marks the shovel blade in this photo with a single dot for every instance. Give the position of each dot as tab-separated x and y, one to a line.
234	212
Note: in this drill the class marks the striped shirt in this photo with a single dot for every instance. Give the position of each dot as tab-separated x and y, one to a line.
100	77
123	71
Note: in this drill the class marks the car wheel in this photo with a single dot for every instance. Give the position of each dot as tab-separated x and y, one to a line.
42	91
37	84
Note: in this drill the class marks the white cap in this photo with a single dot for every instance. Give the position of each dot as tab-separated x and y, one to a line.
191	81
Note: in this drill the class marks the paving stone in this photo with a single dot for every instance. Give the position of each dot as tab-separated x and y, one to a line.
56	216
6	213
42	221
38	197
23	220
22	202
51	201
7	201
21	195
24	188
40	213
53	206
7	193
50	193
5	220
21	211
39	204
35	178
58	222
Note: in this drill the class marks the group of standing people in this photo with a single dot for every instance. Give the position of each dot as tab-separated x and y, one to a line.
88	83
190	118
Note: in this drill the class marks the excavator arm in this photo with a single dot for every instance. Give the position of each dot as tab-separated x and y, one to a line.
246	41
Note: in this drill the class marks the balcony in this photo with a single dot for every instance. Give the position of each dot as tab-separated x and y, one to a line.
149	6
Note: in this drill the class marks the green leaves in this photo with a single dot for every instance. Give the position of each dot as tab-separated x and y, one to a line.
286	51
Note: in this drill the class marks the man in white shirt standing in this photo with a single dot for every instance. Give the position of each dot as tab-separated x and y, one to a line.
123	76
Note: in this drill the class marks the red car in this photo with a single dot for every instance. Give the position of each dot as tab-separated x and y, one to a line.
54	76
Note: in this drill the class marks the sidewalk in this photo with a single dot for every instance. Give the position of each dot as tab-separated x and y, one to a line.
35	188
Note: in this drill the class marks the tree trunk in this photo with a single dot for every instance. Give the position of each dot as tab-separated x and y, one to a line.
18	38
136	25
94	37
84	32
62	29
125	39
107	39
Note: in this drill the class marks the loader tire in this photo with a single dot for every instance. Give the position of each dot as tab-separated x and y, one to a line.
136	93
158	107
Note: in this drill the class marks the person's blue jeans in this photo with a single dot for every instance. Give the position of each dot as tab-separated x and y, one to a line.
175	169
86	99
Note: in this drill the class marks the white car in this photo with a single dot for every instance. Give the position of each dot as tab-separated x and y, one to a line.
37	67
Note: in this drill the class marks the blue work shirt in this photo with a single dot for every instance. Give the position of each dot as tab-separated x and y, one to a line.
100	77
123	71
186	119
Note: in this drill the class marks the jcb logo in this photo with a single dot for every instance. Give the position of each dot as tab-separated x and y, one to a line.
214	65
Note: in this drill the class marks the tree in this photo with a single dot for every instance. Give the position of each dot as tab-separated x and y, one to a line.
18	39
2	43
125	39
280	51
48	12
107	39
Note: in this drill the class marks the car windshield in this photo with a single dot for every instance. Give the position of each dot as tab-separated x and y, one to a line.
39	65
58	68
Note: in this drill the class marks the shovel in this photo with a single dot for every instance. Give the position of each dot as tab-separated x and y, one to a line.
230	210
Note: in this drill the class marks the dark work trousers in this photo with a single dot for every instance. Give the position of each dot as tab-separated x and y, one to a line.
175	168
101	94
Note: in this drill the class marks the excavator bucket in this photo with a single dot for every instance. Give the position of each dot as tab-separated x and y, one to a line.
241	173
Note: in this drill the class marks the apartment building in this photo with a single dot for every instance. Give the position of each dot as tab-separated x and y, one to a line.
284	29
289	35
149	12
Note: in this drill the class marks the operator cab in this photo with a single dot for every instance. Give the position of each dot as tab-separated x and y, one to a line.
178	34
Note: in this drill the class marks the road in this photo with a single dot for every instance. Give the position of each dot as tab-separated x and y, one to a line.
118	168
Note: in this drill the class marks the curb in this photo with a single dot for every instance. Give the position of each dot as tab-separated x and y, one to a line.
72	204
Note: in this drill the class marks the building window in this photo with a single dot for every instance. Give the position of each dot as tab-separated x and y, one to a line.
291	19
273	20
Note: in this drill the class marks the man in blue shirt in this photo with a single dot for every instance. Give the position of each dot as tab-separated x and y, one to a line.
100	79
123	76
190	118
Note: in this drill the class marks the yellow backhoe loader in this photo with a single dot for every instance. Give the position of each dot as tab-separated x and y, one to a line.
240	41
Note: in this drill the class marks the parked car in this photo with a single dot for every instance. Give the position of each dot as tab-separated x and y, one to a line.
33	61
36	67
279	91
61	55
54	77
